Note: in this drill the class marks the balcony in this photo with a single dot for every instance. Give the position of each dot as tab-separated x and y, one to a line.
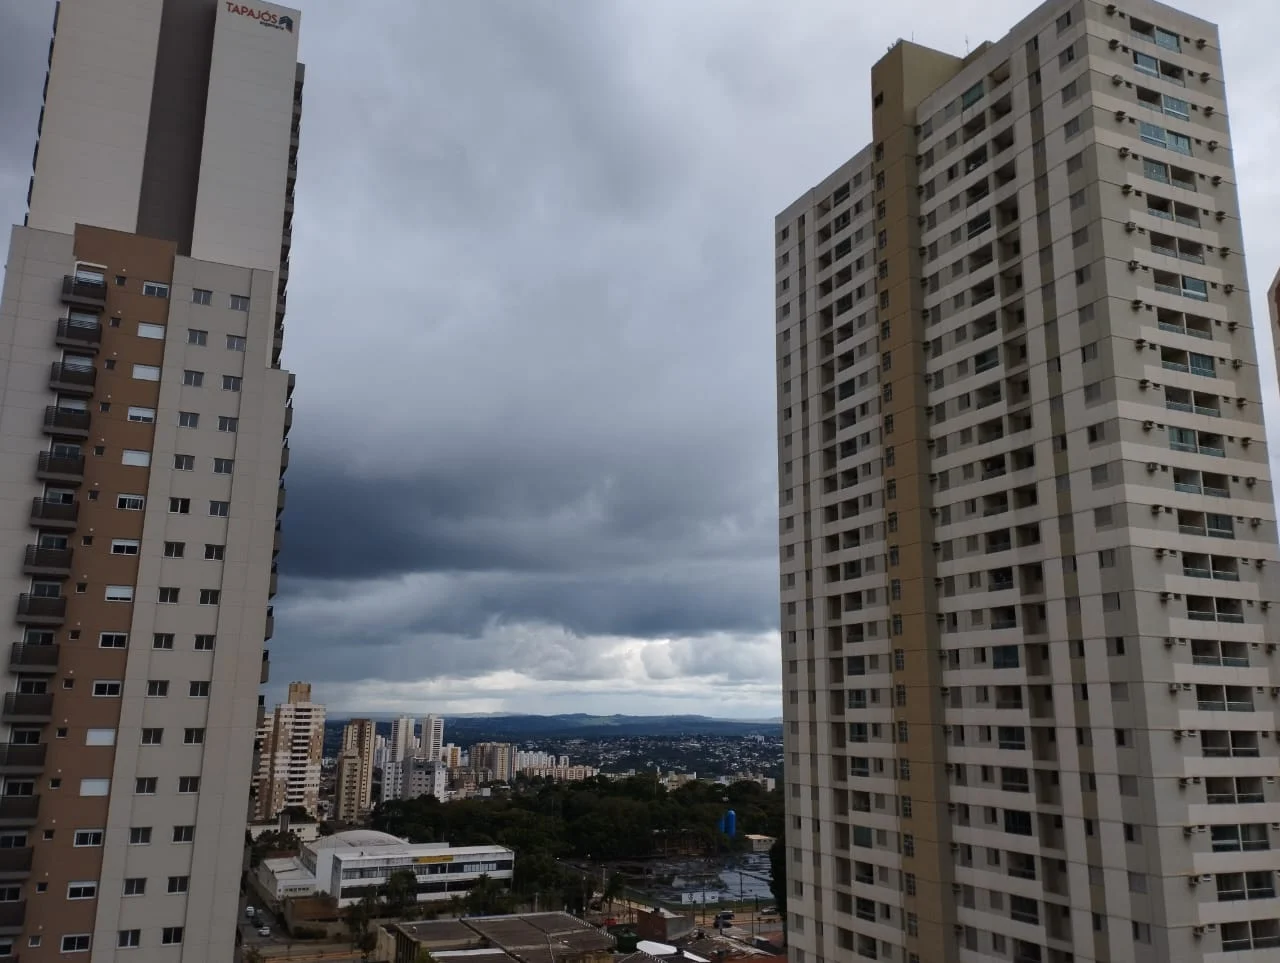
84	290
78	335
271	622
15	863
60	469
19	811
22	760
47	562
28	658
41	610
66	423
59	515
72	379
12	916
28	707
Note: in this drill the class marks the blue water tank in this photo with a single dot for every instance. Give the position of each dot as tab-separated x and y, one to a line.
731	823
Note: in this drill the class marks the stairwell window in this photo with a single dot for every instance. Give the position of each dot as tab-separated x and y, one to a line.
231	382
197	336
188	784
167	595
184	462
179	506
219	509
199	690
171	935
162	640
201	296
210	596
188	419
193	379
226	423
239	302
235	342
157	688
223	466
205	643
184	834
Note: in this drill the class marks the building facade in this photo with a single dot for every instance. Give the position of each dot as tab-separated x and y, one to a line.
291	743
493	761
1027	540
432	740
402	743
143	418
355	771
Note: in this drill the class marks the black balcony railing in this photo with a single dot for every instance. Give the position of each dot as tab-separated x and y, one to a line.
22	757
41	609
65	421
19	809
47	561
84	289
61	467
16	860
27	658
72	334
12	916
32	705
55	514
71	378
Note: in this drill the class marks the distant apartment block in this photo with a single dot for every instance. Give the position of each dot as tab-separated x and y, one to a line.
355	771
1027	535
291	742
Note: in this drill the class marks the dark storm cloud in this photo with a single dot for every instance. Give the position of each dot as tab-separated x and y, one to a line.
25	29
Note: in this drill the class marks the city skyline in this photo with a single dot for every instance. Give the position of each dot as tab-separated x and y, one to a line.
661	617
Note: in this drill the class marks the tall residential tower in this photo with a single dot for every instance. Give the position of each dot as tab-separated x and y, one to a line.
291	746
1028	547
143	413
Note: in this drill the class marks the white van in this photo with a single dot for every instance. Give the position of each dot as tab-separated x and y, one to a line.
248	911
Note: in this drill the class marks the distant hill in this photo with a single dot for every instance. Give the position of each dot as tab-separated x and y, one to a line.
464	730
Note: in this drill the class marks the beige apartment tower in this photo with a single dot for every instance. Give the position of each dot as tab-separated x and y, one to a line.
1027	540
355	771
143	416
290	746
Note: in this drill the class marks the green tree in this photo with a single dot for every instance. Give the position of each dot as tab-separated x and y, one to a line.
400	893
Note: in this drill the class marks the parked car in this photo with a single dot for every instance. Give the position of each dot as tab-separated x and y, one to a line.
264	930
249	911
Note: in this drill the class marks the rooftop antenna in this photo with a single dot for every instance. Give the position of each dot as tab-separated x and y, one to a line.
966	45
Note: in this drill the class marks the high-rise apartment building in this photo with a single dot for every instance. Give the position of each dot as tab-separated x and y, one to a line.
355	770
291	742
432	741
1028	547
402	743
142	424
493	760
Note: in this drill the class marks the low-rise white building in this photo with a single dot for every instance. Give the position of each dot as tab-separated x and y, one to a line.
350	865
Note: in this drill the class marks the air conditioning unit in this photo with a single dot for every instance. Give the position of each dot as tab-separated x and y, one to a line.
1220	215
1165	596
1188	830
1139	343
1200	43
1136	303
1127	189
1236	362
1125	152
1121	115
1159	553
1168	642
1144	383
1193	880
1216	179
1152	466
1229	288
1133	264
1206	878
1208	112
1177	734
1182	782
1111	11
1131	226
1173	686
1251	481
1255	521
1204	76
1148	424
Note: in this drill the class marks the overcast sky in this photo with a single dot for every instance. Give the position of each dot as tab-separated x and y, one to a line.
530	312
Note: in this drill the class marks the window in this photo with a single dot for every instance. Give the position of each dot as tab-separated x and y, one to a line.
140	836
192	737
87	837
235	342
194	379
113	640
1071	128
201	296
214	553
210	596
125	546
105	689
146	372
179	506
97	737
188	419
205	643
239	302
199	690
87	889
153	331
175	549
184	834
157	688
152	737
128	939
145	785
131	503
167	595
135	457
226	423
219	509
223	466
146	416
155	289
231	383
1160	137
171	935
188	784
162	640
178	884
77	943
196	336
135	886
1067	56
119	593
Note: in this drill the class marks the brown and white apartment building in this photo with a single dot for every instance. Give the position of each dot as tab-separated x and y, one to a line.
1027	533
143	417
